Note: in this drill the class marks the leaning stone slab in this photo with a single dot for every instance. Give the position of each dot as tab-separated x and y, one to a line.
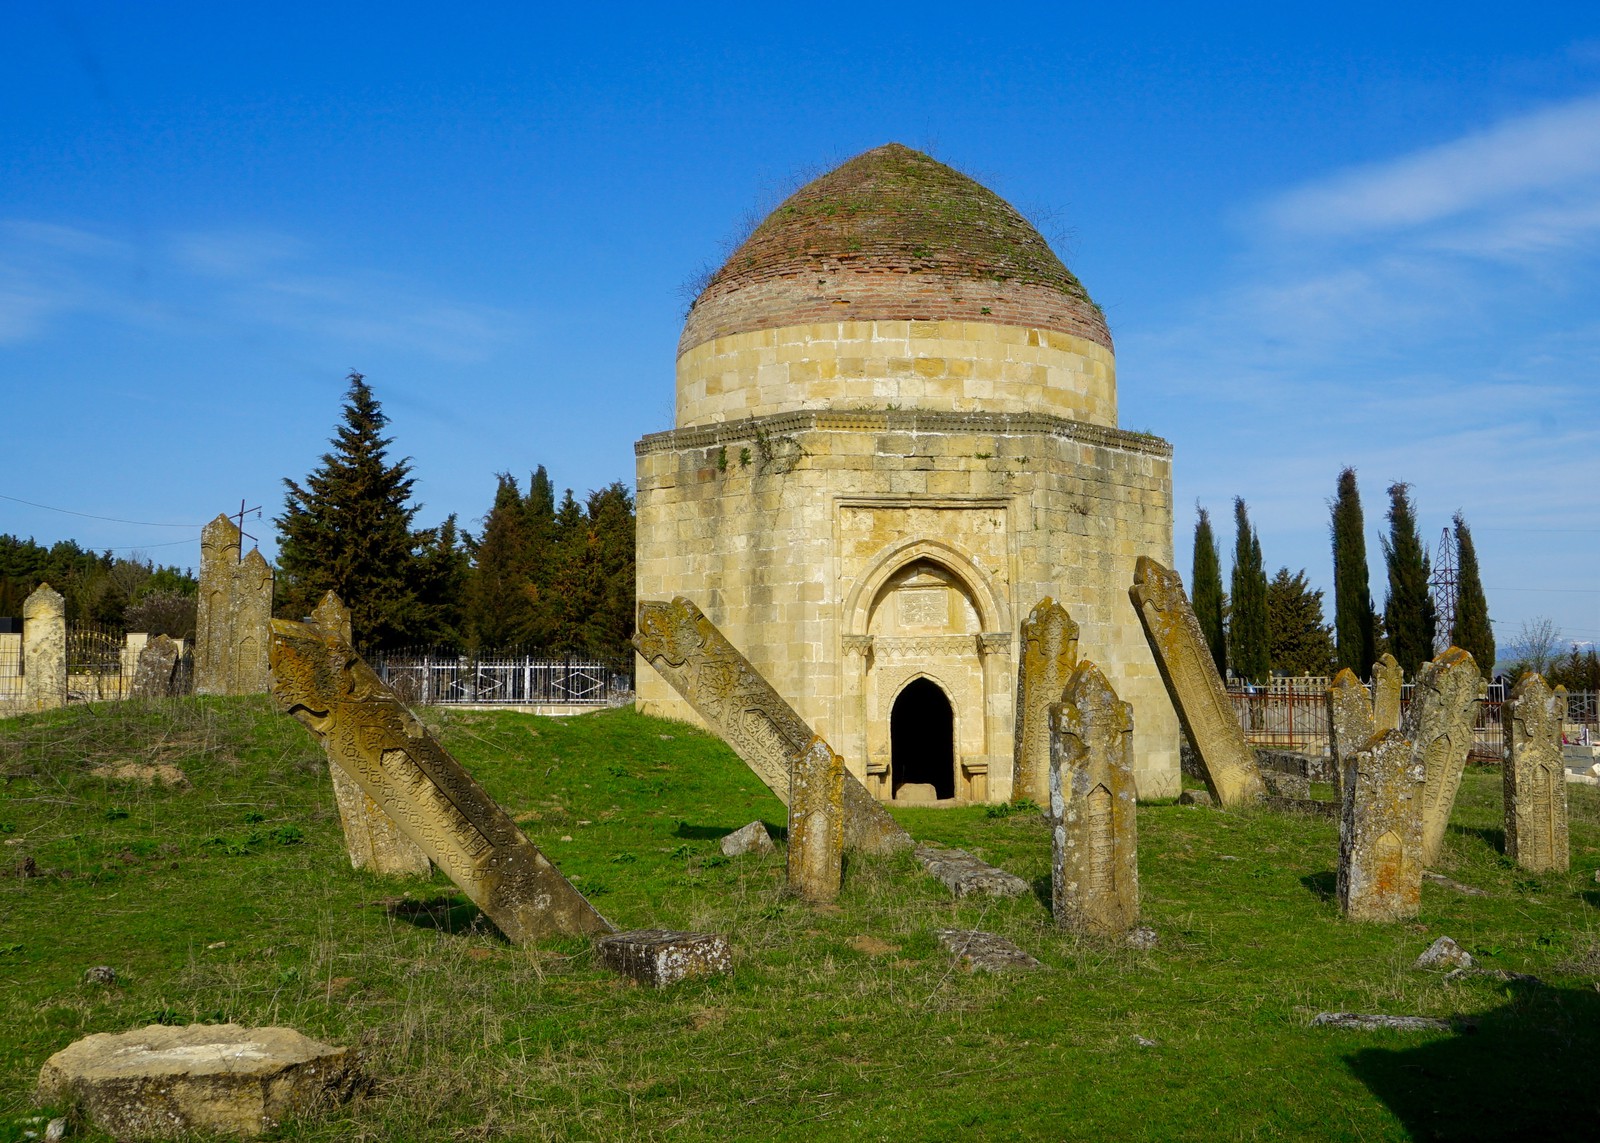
1049	653
1365	1022
156	667
816	823
1380	840
657	958
1388	683
370	734
44	649
162	1080
743	709
1094	873
1534	777
1228	764
1444	706
1351	722
752	838
967	876
977	951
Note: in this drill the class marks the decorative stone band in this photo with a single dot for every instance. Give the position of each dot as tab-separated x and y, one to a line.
900	421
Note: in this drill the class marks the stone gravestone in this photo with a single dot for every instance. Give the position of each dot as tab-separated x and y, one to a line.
1380	840
418	785
1535	777
742	708
816	823
1388	681
1444	706
1095	870
157	664
371	838
234	610
1351	723
44	649
1049	654
1227	762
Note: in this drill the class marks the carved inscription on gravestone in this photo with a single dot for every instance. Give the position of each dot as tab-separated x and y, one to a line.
1380	840
1351	723
1049	654
1535	777
816	823
44	649
1388	680
1227	761
1095	866
739	705
234	610
1444	706
425	791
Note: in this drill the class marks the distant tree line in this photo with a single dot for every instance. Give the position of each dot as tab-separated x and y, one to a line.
1277	626
541	576
131	593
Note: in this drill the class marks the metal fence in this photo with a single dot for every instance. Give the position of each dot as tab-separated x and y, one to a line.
10	669
95	663
427	678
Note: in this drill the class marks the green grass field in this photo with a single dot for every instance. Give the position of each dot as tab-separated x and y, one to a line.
231	899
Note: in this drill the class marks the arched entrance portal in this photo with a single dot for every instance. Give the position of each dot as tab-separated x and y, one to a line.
922	739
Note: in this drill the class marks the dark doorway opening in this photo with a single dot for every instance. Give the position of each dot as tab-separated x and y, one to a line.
922	739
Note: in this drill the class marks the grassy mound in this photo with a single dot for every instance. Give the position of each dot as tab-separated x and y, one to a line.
229	897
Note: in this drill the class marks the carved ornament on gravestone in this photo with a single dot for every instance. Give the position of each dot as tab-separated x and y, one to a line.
1049	654
816	823
233	615
1439	721
1535	777
1380	839
1388	683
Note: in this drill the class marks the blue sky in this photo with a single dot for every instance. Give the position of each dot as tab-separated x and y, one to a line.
1370	238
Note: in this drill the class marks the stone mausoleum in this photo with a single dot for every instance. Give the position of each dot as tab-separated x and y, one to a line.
896	433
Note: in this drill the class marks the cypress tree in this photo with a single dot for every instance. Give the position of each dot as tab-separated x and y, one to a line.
608	626
1355	624
1471	630
1301	642
539	522
1206	583
1248	643
348	529
1408	614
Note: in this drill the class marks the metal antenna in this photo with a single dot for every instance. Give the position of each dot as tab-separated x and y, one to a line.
1443	589
241	515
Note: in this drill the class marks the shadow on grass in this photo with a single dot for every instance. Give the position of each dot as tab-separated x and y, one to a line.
687	832
1492	836
1043	890
448	913
1322	885
1526	1074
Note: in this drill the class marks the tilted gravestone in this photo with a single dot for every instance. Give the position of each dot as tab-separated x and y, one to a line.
816	823
1388	682
1049	654
1228	763
233	614
1535	777
1439	721
1351	723
44	649
371	838
1095	866
156	667
1380	840
425	791
744	710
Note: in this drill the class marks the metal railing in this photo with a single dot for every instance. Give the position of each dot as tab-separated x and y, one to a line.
427	678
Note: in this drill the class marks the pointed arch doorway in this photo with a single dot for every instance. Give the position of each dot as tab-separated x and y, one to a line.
922	740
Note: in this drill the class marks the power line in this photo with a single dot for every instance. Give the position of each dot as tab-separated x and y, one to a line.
1574	590
92	516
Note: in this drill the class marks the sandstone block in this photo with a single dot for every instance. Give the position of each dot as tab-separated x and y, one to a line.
978	951
234	610
660	957
965	875
1194	798
816	823
1049	653
44	649
1444	953
1388	681
1534	777
1351	722
1444	706
752	838
162	1080
1380	840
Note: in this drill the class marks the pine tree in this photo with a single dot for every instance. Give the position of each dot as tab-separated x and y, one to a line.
572	593
444	572
1248	644
1408	614
499	601
1471	630
348	529
608	628
1206	583
1301	643
1355	624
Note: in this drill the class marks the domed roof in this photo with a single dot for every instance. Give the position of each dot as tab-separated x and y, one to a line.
893	235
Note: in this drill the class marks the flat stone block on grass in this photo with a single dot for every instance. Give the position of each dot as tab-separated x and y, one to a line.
978	951
752	838
158	1081
659	957
965	875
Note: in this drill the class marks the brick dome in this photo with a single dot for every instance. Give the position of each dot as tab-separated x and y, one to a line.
893	235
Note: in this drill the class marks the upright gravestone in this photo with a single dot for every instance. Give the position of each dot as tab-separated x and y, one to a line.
1535	777
157	665
1438	723
1388	681
44	649
415	781
1380	841
1095	868
333	616
1227	760
1049	654
1351	723
816	823
744	710
234	613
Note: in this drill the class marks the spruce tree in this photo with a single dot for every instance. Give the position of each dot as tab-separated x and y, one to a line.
1408	613
499	601
1248	644
444	573
608	628
1301	641
1471	630
348	529
1206	583
1355	624
539	521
